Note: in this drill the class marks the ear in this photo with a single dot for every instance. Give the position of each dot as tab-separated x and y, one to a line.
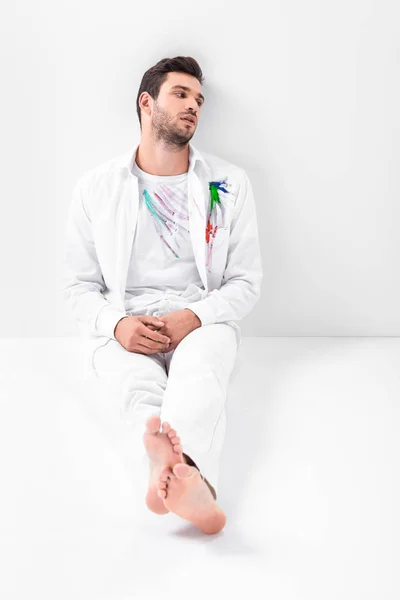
145	102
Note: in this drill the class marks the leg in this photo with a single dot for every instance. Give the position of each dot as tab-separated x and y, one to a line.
139	381
199	372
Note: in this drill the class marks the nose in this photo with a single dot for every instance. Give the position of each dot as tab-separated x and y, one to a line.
193	107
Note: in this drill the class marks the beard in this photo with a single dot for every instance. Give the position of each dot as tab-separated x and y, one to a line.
169	129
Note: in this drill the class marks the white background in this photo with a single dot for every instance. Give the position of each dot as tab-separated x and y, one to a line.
304	95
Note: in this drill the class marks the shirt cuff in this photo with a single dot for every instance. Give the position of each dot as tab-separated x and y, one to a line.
108	319
203	311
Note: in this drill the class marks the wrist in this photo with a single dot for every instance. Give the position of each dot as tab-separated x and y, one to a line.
195	318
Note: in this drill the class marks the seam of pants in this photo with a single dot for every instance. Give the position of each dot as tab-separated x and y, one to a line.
94	354
221	411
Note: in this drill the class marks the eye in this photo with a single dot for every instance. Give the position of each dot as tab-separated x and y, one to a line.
199	102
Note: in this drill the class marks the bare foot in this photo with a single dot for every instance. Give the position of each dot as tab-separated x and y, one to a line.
163	449
186	494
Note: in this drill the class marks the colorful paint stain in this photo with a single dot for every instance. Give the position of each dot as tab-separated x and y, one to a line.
211	226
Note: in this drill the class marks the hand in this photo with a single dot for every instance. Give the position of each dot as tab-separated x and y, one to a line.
178	325
140	334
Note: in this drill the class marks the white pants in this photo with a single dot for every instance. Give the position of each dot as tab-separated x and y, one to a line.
187	387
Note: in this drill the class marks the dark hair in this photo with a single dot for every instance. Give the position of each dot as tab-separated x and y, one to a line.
154	77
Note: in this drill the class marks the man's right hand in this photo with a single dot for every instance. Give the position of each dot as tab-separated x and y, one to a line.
138	334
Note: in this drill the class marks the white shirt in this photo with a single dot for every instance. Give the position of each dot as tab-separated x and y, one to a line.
162	274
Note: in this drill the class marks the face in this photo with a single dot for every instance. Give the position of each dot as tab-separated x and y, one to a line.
165	115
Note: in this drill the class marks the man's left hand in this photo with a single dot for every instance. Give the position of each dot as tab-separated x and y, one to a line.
178	325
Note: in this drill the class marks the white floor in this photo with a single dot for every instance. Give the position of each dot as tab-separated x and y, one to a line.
309	481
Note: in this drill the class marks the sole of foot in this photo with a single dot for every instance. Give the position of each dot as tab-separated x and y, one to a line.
163	449
186	494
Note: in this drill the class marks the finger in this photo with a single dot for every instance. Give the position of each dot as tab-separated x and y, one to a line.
152	345
149	320
141	349
154	336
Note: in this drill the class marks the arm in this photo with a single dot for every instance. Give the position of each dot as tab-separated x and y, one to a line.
83	282
243	273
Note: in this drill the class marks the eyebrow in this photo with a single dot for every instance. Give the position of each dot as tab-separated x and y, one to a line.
187	89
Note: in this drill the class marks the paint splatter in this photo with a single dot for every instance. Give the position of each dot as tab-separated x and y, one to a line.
211	227
166	216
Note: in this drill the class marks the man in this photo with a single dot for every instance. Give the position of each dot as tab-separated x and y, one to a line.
162	257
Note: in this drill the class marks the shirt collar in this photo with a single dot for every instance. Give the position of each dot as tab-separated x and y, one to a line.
126	160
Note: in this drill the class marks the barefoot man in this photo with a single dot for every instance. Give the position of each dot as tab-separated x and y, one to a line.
162	258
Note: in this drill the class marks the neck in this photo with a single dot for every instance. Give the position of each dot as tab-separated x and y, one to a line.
157	159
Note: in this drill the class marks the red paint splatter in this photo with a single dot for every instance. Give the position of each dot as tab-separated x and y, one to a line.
210	230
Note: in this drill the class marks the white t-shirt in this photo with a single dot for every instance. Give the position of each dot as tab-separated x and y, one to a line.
162	274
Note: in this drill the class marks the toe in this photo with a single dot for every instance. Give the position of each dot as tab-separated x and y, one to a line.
175	440
153	424
181	470
177	448
166	427
162	493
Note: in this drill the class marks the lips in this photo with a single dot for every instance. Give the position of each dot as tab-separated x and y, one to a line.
190	119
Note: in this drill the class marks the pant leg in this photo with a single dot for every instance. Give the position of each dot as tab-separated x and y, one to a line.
138	382
141	379
199	371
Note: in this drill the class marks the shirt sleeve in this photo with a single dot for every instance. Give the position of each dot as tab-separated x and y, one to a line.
83	283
